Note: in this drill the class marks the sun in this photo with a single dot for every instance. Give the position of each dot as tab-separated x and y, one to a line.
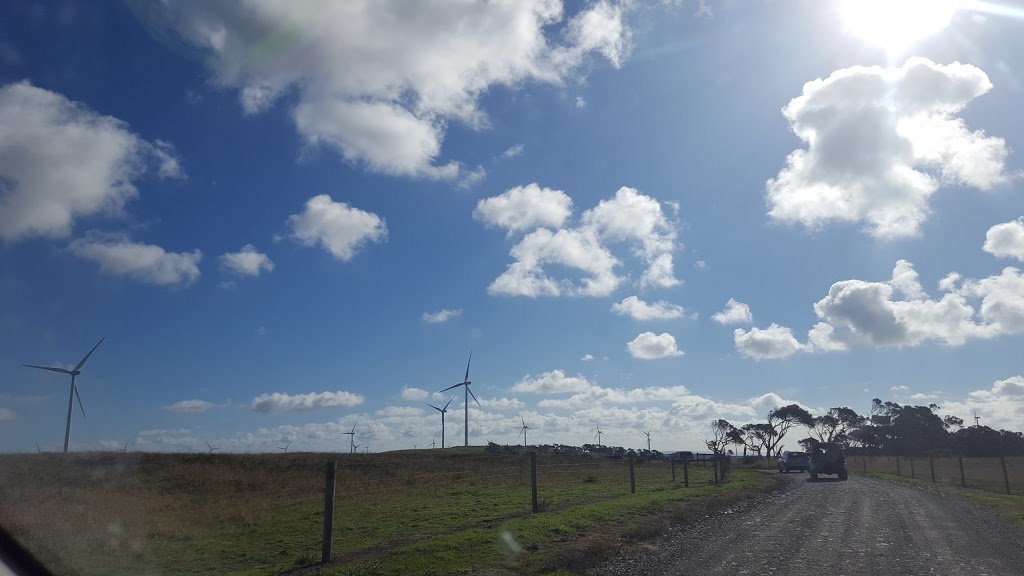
895	24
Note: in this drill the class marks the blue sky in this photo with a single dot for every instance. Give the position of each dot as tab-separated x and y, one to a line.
291	219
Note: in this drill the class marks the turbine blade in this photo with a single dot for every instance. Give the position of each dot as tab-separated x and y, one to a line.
80	407
466	379
453	386
61	370
468	389
449	402
82	363
520	434
436	408
523	419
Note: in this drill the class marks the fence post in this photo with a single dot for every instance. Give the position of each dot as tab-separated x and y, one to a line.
1006	478
963	479
931	464
632	478
332	470
686	473
533	480
898	472
912	468
864	462
673	471
714	465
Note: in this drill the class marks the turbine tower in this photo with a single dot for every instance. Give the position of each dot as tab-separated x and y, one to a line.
465	384
598	435
351	439
522	432
74	388
648	433
442	411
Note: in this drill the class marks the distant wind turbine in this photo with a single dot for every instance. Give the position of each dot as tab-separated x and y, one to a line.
74	388
125	449
212	448
522	432
285	447
433	442
351	439
355	447
465	384
38	449
598	435
442	411
648	433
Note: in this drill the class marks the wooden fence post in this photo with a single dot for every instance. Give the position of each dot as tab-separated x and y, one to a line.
931	464
686	473
912	468
533	480
963	478
673	471
632	477
864	462
1006	478
898	473
332	470
714	465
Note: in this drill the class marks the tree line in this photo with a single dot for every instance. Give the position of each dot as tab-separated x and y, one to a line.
891	429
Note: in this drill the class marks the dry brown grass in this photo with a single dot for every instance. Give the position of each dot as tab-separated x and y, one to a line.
980	473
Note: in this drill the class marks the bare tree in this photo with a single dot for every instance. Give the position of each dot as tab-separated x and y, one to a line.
782	420
721	436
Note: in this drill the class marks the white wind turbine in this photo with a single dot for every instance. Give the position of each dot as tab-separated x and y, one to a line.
442	411
74	388
465	384
522	432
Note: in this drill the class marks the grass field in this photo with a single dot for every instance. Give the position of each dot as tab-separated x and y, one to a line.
418	512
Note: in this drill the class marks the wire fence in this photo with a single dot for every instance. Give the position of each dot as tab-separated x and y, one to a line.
1004	475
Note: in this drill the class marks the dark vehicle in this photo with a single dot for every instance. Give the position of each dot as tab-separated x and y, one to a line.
680	456
827	458
794	461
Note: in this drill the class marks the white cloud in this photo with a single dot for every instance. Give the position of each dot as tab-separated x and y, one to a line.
399	411
899	389
262	331
525	208
6	414
701	265
118	255
734	313
440	316
769	401
379	82
61	162
502	403
280	402
629	217
587	358
190	406
1006	240
513	151
553	382
772	342
637	309
414	394
881	141
858	312
337	227
651	346
580	102
921	396
1000	407
246	262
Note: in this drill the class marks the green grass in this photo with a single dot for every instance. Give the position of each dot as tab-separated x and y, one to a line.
422	512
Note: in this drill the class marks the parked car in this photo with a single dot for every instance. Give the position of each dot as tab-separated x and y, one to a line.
680	456
828	458
794	461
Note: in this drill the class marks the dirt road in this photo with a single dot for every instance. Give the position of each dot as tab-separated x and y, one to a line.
865	526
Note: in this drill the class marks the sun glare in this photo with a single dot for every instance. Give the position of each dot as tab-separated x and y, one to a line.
896	24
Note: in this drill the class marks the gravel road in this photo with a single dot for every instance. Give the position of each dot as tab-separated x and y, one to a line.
854	528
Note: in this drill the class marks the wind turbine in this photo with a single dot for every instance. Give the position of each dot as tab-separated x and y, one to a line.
212	448
285	447
355	447
648	433
598	435
74	388
351	439
433	441
465	384
38	449
976	417
442	411
125	449
522	432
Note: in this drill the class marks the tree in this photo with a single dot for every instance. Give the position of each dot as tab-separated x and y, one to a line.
836	424
756	436
722	434
781	420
